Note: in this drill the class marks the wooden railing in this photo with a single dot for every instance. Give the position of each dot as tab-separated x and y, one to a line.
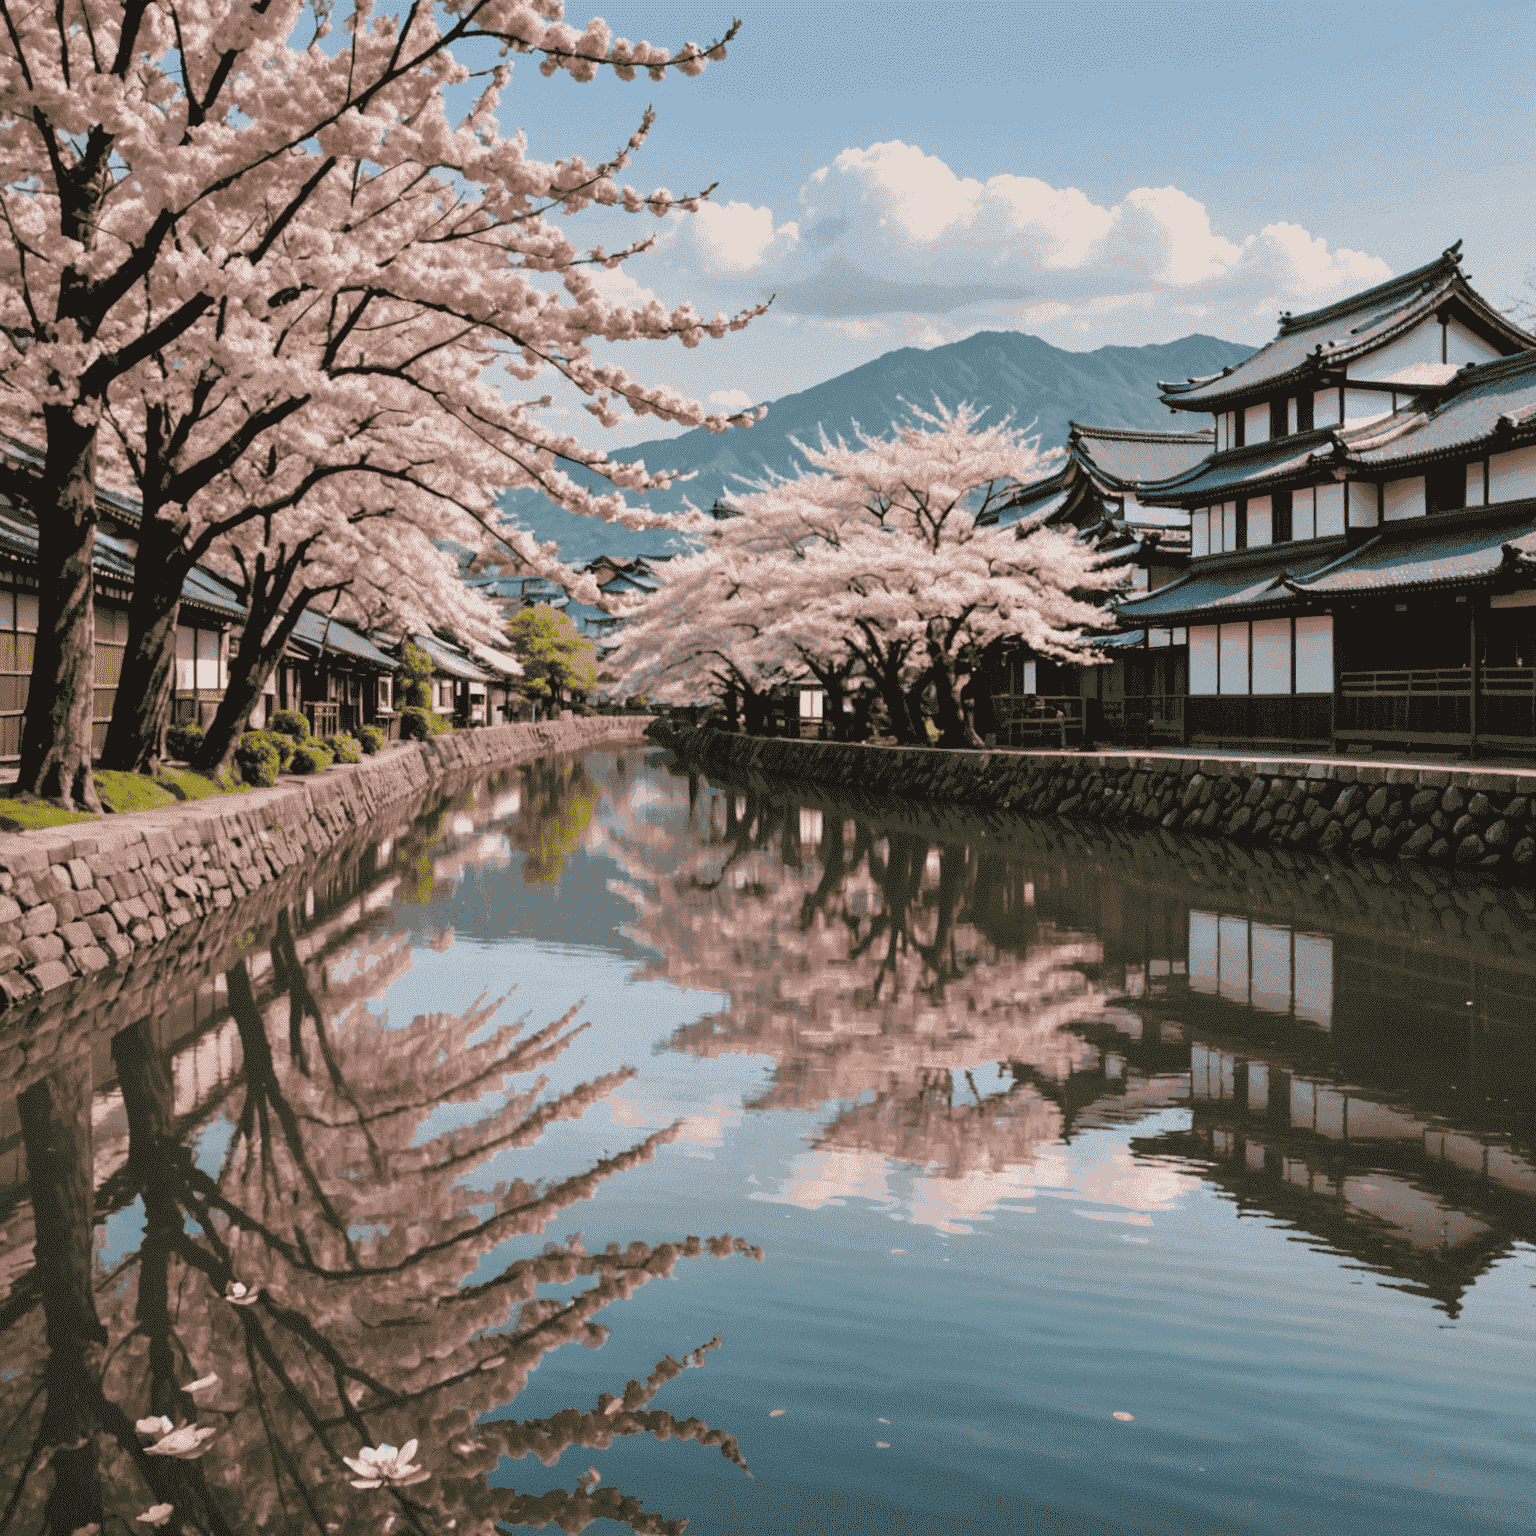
1506	709
1038	720
1259	718
1432	707
1138	720
324	719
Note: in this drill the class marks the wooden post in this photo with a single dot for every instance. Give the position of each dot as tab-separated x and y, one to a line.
1474	679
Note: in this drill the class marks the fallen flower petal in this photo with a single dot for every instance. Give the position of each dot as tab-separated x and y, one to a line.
156	1514
155	1426
238	1296
775	1412
1125	1418
184	1444
202	1384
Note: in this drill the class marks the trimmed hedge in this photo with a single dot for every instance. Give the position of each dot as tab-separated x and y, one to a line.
258	759
312	757
182	741
289	722
371	739
345	748
415	723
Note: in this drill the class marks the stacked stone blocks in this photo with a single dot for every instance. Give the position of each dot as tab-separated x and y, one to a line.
82	906
1482	820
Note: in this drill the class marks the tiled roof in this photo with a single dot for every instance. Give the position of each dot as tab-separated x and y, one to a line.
1243	581
1457	550
339	640
450	660
1122	459
127	507
1284	458
113	561
1040	505
1332	336
499	661
1490	400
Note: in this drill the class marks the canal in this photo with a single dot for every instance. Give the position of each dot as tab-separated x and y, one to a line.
993	1175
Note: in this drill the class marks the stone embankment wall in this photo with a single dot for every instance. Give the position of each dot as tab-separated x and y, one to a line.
1460	817
102	900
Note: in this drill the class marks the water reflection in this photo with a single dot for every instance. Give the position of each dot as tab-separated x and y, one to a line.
236	1263
959	998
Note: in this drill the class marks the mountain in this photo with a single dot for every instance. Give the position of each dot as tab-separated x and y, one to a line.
1043	387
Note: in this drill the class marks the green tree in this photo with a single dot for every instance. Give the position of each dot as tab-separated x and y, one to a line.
415	676
557	658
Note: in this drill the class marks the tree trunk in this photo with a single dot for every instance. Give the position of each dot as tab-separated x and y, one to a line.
917	720
954	730
55	1119
888	681
755	708
253	663
56	730
143	706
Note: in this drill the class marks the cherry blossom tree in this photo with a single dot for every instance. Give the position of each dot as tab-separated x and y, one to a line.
211	195
875	553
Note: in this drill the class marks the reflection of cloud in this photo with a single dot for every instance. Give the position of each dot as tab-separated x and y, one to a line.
827	1176
704	1127
440	939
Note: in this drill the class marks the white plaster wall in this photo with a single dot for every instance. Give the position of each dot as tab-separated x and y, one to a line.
1256	424
1290	414
1475	483
1202	659
1403	498
1304	513
1420	345
1229	525
1260	521
1200	532
1512	475
1234	658
1129	507
1314	653
1462	346
1271	655
1325	408
1363	405
1360	497
1330	509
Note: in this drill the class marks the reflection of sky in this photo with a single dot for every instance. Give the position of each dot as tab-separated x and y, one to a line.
997	1304
1123	1187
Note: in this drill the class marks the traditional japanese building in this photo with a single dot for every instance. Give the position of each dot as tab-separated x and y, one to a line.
1097	491
1363	567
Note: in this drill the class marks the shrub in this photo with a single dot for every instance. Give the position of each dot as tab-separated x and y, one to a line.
258	759
345	748
371	739
283	745
182	741
439	725
312	757
415	723
289	722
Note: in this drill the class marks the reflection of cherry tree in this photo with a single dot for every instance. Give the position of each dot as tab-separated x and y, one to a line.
851	953
308	1299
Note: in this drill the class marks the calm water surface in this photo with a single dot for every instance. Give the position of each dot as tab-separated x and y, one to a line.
1100	1185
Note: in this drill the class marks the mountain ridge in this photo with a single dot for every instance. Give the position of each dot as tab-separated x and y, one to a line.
1041	386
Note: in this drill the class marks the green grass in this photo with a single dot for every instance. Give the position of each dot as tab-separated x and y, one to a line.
184	784
120	793
123	792
19	814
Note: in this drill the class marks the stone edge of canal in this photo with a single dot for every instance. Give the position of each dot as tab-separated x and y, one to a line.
82	906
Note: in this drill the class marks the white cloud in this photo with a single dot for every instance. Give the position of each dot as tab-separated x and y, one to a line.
890	236
731	399
727	239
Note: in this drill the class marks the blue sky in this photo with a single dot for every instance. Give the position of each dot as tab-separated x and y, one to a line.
1093	173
